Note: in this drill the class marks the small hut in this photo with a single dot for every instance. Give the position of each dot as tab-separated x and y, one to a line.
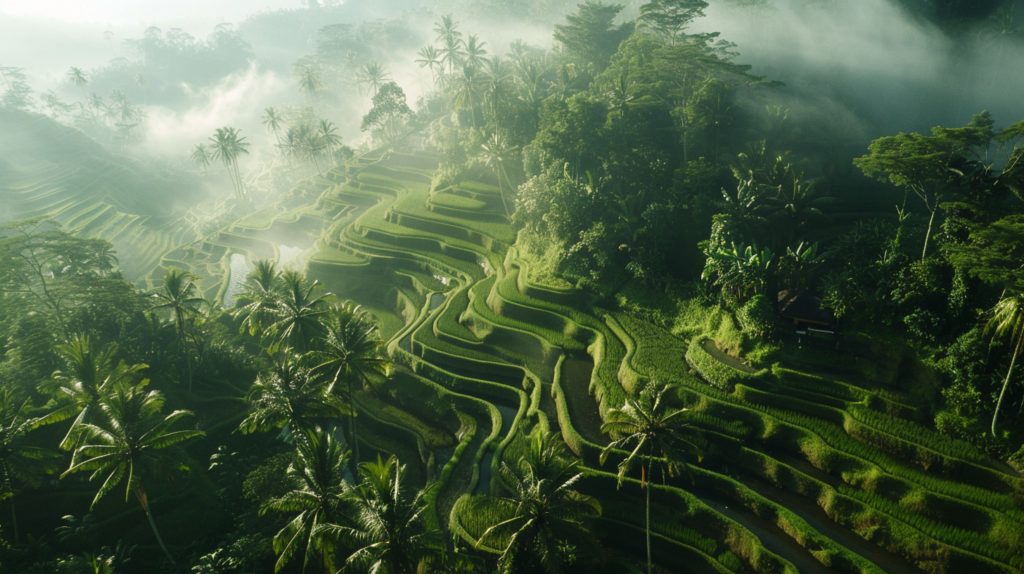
808	316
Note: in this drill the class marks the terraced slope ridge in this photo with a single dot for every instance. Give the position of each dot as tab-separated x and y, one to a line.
805	472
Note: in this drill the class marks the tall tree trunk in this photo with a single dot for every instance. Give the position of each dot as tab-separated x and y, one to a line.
1006	383
140	493
648	488
352	432
14	521
928	234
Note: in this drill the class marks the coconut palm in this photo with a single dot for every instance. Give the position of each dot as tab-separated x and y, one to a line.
123	442
466	89
54	104
656	433
308	78
452	53
430	57
318	483
89	374
20	464
259	297
351	354
201	156
1007	320
228	147
273	121
78	78
548	515
141	82
475	51
497	153
328	133
300	311
389	533
289	397
179	296
373	75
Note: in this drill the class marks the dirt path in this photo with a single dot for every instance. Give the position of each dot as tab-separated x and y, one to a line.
722	357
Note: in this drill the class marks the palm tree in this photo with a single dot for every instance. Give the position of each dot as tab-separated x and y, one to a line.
88	375
475	51
497	152
289	397
496	90
308	78
389	534
318	483
228	147
273	121
452	53
19	463
179	296
430	57
259	296
1007	319
373	75
548	515
466	90
141	82
301	309
122	443
78	78
657	432
450	39
328	133
310	142
352	353
201	156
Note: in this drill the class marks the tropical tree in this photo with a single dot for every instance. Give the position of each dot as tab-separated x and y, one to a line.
88	375
308	77
351	354
318	484
20	464
328	133
430	57
259	297
179	296
141	82
389	533
668	18
373	75
389	109
123	443
1007	321
201	156
497	153
289	397
273	121
300	310
78	77
228	147
656	434
548	523
450	38
475	51
466	89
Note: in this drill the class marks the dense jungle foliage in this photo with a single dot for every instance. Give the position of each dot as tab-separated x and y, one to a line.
624	304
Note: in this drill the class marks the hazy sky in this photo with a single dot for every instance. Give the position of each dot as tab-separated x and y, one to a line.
134	12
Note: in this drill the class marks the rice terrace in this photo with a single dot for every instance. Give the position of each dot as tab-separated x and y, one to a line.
534	286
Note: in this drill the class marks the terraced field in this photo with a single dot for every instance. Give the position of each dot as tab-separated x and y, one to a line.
51	170
807	469
805	472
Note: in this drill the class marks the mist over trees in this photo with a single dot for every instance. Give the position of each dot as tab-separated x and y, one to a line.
519	286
